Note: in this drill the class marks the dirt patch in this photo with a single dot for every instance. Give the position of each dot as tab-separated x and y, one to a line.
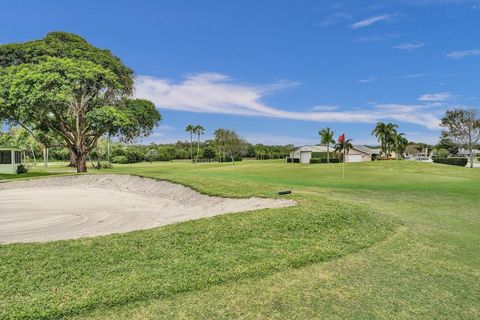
73	207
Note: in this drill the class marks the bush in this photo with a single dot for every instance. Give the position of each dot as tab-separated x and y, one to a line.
461	162
441	153
22	169
118	152
134	154
105	165
317	160
120	159
228	159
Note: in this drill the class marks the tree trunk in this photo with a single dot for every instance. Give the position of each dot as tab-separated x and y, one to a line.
198	147
191	146
328	154
73	160
81	163
471	158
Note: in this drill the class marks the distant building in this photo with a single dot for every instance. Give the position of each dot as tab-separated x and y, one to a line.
357	153
466	153
304	154
10	159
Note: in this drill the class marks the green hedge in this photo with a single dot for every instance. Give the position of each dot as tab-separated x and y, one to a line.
317	160
461	162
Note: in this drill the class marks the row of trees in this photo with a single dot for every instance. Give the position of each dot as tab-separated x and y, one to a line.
227	144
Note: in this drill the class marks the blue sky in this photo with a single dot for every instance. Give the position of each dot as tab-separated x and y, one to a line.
278	71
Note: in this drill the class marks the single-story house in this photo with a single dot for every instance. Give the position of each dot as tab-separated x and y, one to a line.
304	154
10	159
357	153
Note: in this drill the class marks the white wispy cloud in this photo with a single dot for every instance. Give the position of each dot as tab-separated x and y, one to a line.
217	93
463	54
334	19
376	37
369	21
406	76
409	46
324	108
435	97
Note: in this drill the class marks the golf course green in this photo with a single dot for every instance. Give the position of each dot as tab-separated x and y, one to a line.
391	240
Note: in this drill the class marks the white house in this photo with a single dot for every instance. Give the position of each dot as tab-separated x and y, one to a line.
357	153
304	154
10	159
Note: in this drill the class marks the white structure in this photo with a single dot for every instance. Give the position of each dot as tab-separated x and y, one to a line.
466	153
304	154
357	153
360	153
10	159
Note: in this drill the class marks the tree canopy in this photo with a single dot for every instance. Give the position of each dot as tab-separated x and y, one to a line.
63	86
462	126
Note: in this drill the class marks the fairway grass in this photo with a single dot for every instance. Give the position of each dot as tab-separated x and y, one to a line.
394	239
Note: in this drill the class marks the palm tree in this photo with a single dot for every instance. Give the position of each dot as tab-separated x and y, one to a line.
198	130
190	129
385	134
326	138
400	143
343	147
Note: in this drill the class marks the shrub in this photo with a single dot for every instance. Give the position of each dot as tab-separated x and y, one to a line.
120	159
152	155
461	162
321	160
134	154
22	169
441	153
118	152
228	159
105	165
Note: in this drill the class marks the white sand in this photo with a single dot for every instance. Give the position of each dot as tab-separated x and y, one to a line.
72	207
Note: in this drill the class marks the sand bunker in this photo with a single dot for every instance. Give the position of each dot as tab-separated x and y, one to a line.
72	207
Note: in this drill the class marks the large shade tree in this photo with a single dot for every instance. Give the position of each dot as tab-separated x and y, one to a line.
462	126
65	87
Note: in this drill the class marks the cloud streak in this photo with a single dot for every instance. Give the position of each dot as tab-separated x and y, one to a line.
219	94
435	97
407	76
463	54
409	46
368	22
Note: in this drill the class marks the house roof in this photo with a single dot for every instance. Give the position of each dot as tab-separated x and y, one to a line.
463	151
366	149
313	149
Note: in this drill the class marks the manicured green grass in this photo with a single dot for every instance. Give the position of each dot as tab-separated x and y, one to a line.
394	240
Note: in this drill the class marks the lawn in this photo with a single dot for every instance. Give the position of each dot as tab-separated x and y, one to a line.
393	239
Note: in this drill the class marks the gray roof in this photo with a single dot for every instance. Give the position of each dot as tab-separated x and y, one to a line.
463	151
366	149
313	149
